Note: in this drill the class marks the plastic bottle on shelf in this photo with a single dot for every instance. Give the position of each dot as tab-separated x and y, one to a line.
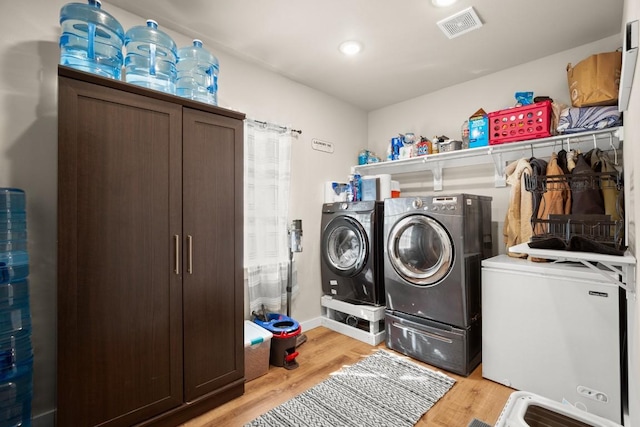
350	189
151	58
464	132
357	183
197	76
91	40
363	157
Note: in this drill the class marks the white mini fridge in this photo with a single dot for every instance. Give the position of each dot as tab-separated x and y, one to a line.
553	330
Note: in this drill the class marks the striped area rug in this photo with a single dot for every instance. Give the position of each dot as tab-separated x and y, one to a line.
381	390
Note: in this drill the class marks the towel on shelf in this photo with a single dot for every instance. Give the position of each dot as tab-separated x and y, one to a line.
584	119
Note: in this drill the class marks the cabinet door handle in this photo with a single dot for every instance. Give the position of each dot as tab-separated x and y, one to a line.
176	241
190	254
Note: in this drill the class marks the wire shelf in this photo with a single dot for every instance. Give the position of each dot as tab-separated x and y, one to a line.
598	228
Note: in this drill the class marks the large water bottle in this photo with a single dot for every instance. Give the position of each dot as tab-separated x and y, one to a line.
151	58
16	352
16	355
14	257
197	74
91	40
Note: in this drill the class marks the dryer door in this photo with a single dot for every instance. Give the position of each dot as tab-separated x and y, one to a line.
420	250
344	246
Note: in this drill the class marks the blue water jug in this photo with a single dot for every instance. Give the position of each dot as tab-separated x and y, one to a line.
197	74
14	260
16	351
12	199
16	394
151	58
91	39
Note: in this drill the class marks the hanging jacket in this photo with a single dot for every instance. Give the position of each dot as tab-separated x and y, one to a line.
586	199
517	223
562	161
600	162
557	199
538	168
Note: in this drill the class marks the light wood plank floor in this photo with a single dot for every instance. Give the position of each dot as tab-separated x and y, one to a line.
327	351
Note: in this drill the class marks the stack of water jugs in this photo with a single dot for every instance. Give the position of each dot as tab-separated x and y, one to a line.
92	40
16	353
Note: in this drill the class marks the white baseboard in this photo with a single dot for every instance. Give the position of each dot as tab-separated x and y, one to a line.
311	324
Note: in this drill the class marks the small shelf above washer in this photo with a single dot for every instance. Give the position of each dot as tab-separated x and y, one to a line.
498	155
624	266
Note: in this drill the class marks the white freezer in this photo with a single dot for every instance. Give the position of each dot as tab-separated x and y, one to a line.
553	330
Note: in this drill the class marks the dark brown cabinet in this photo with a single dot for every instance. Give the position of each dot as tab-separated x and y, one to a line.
150	286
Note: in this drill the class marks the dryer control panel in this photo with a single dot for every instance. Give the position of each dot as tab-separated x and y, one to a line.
444	203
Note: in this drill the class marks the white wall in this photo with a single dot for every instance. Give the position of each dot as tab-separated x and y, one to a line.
28	155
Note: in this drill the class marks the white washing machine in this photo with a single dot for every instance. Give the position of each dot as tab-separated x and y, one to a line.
554	330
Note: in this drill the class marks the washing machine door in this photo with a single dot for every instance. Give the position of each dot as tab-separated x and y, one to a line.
344	246
420	250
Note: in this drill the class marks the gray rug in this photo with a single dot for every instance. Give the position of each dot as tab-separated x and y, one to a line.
380	390
477	423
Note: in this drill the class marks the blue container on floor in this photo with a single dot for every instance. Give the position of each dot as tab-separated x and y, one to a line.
16	352
285	332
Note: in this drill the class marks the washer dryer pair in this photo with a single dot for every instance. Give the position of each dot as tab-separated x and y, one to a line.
433	249
352	254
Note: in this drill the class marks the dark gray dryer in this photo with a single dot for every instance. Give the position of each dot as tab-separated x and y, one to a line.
351	251
432	266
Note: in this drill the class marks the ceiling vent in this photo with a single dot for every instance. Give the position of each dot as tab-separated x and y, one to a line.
460	23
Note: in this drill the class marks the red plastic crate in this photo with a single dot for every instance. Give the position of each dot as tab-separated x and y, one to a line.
520	123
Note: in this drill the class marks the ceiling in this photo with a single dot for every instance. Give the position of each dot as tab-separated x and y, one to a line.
405	53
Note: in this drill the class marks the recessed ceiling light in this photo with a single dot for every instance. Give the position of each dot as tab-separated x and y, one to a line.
443	3
350	47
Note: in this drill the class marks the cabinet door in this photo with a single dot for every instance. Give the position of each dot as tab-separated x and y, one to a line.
119	299
212	226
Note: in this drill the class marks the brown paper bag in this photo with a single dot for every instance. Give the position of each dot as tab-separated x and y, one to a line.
595	80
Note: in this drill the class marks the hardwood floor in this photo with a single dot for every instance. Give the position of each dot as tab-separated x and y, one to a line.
327	351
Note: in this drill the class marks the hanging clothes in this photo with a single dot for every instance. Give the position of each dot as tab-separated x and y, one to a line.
517	223
601	162
557	199
538	168
586	199
562	161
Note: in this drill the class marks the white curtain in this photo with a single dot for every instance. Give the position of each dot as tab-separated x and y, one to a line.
267	166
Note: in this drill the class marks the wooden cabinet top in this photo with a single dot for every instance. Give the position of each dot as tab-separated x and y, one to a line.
72	73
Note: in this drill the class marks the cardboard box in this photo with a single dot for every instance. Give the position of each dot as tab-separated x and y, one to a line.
257	346
478	129
595	81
